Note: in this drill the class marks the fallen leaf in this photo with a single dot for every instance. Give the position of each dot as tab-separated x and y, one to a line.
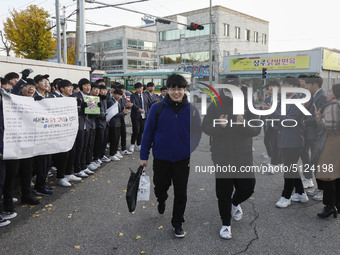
69	216
152	203
201	189
120	234
49	209
81	180
118	213
39	197
24	206
122	174
32	206
143	252
160	227
138	237
49	205
124	190
133	212
36	215
77	246
144	207
51	182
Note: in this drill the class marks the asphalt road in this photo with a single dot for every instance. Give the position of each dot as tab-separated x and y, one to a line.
92	218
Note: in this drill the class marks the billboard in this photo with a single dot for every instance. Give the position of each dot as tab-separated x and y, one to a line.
331	60
272	63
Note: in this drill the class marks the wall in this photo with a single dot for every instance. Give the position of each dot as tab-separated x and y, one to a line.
54	70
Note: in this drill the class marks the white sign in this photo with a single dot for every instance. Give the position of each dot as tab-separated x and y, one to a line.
40	127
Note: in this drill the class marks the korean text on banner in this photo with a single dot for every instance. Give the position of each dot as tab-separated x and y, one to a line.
40	127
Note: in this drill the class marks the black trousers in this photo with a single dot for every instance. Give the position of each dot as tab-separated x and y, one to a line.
276	152
166	172
80	150
331	193
99	143
2	179
90	146
123	135
244	188
292	179
137	130
114	134
41	169
268	133
61	161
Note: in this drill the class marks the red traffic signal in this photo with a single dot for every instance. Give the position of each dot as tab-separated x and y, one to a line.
264	73
194	27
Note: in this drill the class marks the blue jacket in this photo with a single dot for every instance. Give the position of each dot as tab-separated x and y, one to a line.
171	139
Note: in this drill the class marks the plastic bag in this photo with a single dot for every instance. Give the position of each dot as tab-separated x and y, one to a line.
132	189
144	188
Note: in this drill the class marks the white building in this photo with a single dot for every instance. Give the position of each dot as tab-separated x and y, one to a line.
233	32
123	49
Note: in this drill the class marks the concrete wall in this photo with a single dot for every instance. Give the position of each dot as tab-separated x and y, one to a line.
54	70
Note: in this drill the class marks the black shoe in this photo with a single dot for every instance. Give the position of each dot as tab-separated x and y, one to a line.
30	200
327	211
179	232
161	207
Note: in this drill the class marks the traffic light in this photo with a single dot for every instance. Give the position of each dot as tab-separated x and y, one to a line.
264	73
164	21
194	27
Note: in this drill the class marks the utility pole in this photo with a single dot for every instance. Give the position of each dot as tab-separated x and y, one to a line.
58	30
210	50
77	46
82	32
64	36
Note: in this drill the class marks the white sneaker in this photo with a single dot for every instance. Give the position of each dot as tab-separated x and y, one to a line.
9	215
118	155
72	178
138	148
283	202
91	167
114	158
97	162
4	222
81	174
88	171
64	182
126	152
236	212
307	183
132	148
312	192
105	159
318	196
14	200
296	197
225	232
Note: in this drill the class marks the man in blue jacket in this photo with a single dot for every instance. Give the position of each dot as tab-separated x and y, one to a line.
168	131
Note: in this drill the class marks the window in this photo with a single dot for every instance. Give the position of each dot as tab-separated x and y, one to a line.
247	34
256	37
226	29
237	32
264	39
186	58
137	44
106	46
111	64
141	64
171	59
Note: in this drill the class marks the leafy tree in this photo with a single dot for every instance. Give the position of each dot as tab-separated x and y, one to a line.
30	34
71	55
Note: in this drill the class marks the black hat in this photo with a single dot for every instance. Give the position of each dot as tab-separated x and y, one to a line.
39	77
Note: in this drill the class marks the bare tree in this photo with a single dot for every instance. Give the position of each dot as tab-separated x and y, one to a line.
5	43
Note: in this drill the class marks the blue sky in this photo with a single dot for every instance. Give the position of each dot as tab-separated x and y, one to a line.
293	24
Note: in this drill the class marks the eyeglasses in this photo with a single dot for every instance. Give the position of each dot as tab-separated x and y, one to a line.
172	90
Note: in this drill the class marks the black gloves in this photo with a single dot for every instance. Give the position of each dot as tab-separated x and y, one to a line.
99	104
25	73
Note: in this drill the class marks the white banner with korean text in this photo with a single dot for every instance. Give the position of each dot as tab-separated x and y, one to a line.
42	127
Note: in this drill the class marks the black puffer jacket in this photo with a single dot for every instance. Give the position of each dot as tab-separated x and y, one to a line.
230	145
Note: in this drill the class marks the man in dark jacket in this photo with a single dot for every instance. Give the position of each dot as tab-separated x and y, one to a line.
139	113
172	142
290	142
231	145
